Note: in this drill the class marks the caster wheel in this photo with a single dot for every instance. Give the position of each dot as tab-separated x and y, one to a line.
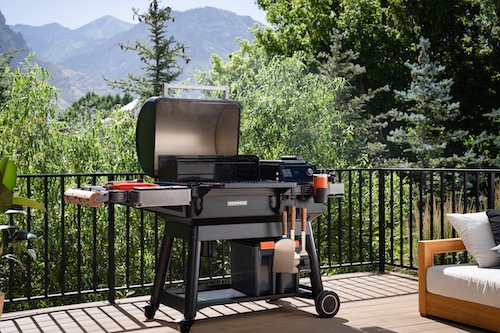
327	304
149	311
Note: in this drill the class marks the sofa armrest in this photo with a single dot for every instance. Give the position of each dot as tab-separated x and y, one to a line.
426	251
428	248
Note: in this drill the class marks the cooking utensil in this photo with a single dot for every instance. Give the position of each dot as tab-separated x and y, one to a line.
127	184
304	256
284	249
296	257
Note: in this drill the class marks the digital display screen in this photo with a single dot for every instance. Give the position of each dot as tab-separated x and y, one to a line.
301	173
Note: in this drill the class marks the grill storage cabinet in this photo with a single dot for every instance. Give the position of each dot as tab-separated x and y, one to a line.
206	192
252	270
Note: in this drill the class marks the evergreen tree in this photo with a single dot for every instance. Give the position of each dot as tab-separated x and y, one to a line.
427	111
360	145
159	55
487	144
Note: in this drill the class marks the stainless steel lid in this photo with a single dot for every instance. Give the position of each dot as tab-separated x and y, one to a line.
185	127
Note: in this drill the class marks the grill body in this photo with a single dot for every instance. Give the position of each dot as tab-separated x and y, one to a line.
205	191
239	198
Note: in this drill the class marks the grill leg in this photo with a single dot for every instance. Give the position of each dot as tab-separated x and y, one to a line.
160	276
192	275
316	284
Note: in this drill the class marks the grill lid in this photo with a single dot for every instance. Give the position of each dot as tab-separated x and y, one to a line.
185	127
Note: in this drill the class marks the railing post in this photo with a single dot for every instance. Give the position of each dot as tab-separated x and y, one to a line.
381	220
111	253
491	190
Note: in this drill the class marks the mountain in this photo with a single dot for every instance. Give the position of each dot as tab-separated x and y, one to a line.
11	40
52	41
79	59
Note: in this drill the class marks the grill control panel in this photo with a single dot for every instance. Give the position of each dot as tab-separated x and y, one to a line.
297	173
288	169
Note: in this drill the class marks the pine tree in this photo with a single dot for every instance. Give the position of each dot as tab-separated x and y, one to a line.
159	56
487	144
361	146
427	110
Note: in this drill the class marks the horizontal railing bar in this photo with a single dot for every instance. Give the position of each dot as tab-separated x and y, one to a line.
73	175
104	174
493	170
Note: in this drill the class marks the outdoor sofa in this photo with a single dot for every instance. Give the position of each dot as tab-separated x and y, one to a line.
468	293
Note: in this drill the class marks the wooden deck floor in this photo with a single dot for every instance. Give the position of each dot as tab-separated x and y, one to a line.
369	303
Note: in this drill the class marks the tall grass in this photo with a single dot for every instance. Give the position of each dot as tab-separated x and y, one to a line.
434	223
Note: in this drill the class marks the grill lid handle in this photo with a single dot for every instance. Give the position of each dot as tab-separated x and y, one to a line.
166	87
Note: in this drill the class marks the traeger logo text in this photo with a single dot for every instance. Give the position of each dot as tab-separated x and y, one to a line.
237	203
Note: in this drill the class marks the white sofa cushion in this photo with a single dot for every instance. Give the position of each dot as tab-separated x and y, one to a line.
466	282
475	231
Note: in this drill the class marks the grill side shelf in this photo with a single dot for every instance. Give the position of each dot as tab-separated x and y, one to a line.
160	196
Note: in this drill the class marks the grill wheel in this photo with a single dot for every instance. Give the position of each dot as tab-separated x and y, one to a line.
327	304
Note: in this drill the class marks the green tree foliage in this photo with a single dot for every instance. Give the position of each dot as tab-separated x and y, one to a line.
160	55
87	106
464	34
91	100
296	26
39	142
102	143
427	109
286	110
359	140
316	114
25	121
487	143
376	32
5	59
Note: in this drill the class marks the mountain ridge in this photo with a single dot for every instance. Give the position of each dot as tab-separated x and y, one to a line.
79	59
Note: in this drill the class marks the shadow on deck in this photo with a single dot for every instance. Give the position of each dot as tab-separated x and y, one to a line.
370	302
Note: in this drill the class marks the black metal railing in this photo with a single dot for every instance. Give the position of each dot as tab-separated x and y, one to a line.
385	212
110	252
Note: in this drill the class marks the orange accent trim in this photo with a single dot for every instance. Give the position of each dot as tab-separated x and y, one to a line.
127	185
268	245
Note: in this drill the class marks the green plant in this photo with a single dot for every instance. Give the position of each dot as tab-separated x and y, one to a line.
10	204
10	237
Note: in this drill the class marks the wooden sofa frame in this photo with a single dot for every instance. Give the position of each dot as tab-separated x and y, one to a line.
469	313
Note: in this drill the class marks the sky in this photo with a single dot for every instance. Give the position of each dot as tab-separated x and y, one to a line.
74	14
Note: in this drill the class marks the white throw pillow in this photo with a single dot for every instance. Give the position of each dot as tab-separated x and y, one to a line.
476	234
496	250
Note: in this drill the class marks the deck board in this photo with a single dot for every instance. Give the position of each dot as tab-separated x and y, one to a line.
370	302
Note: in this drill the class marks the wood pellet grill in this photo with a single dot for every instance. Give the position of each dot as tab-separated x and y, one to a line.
206	192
